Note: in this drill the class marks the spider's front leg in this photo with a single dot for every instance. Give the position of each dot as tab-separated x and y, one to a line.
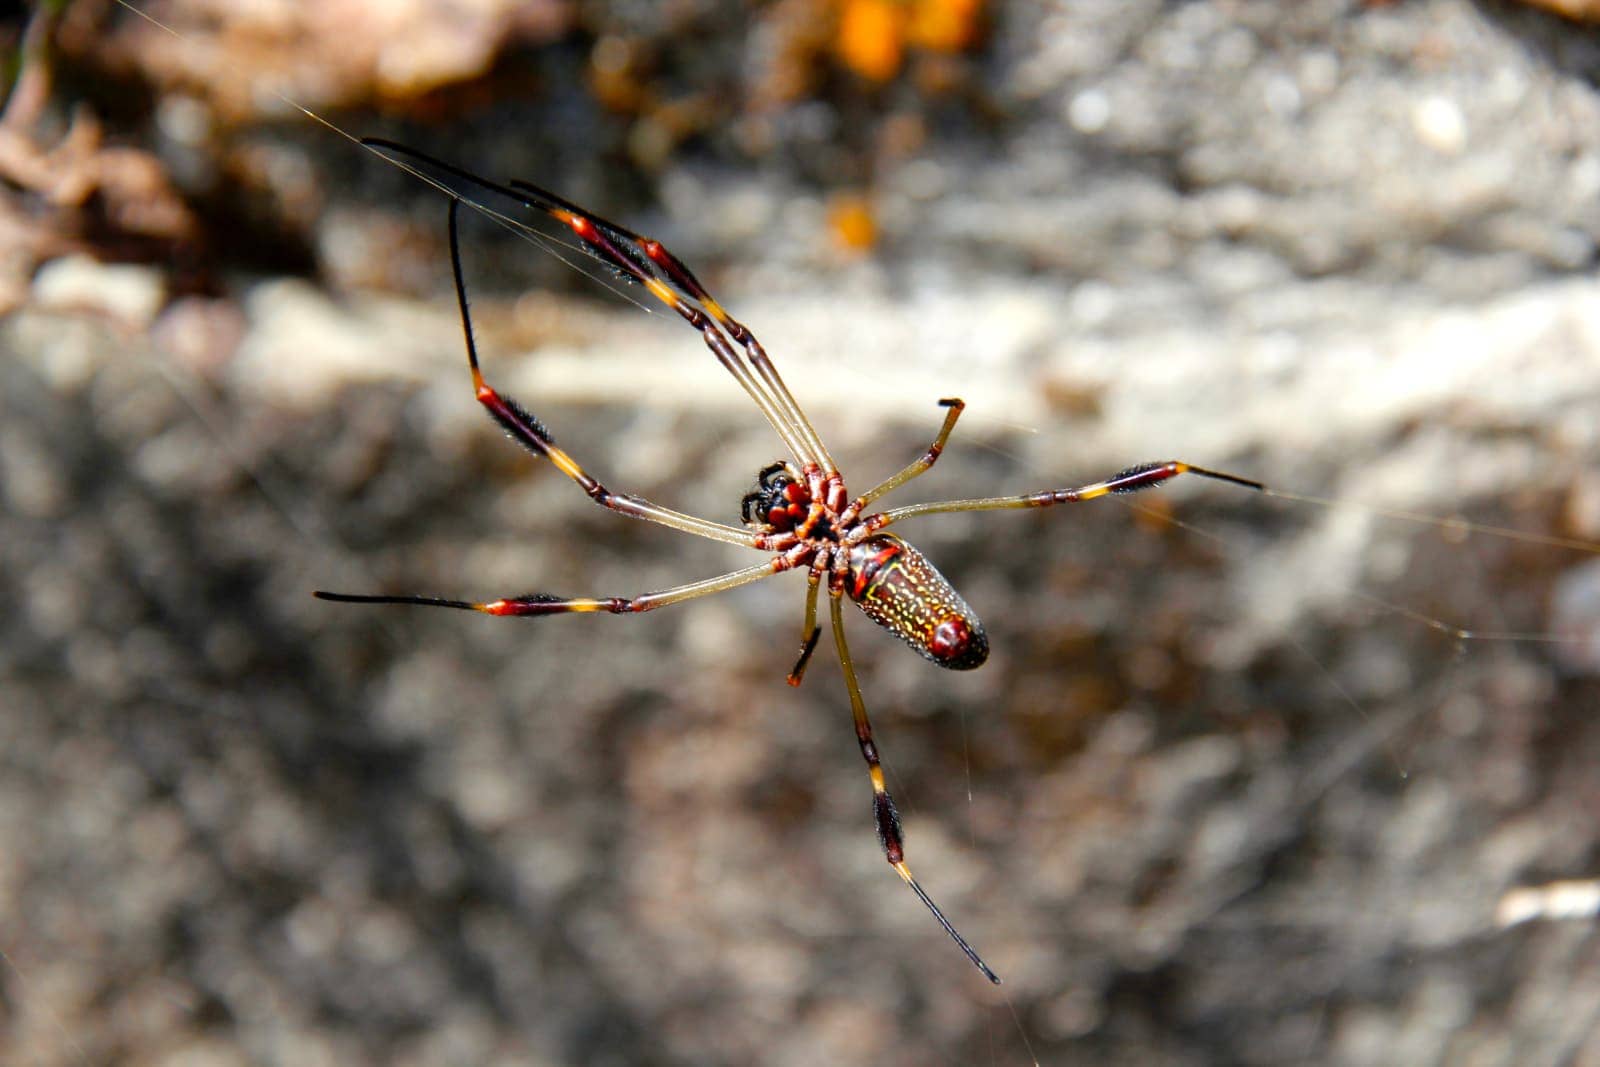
643	261
531	433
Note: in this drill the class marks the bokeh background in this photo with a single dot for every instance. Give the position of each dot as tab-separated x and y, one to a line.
1235	786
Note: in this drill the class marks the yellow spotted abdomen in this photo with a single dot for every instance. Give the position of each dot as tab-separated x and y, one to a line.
901	591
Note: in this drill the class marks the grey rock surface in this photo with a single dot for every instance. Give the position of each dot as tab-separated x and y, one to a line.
1245	781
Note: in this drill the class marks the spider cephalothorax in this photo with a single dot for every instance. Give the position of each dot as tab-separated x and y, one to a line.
894	584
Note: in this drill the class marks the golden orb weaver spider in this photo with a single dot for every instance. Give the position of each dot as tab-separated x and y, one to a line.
800	514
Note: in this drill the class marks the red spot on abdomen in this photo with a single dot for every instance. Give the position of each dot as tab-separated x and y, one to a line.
951	639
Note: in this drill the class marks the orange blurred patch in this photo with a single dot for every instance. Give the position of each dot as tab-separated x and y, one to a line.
873	34
1581	10
871	38
852	224
945	25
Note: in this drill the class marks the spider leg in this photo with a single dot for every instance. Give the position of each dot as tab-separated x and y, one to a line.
769	393
545	604
676	272
883	810
636	259
915	467
809	630
1144	476
529	431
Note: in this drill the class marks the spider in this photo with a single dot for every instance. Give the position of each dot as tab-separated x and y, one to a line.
800	515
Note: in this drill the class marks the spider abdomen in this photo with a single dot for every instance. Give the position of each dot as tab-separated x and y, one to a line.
901	591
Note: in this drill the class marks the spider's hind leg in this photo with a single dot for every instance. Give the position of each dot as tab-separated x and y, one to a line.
886	818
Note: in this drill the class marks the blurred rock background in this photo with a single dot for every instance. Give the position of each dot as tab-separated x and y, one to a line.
1230	790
